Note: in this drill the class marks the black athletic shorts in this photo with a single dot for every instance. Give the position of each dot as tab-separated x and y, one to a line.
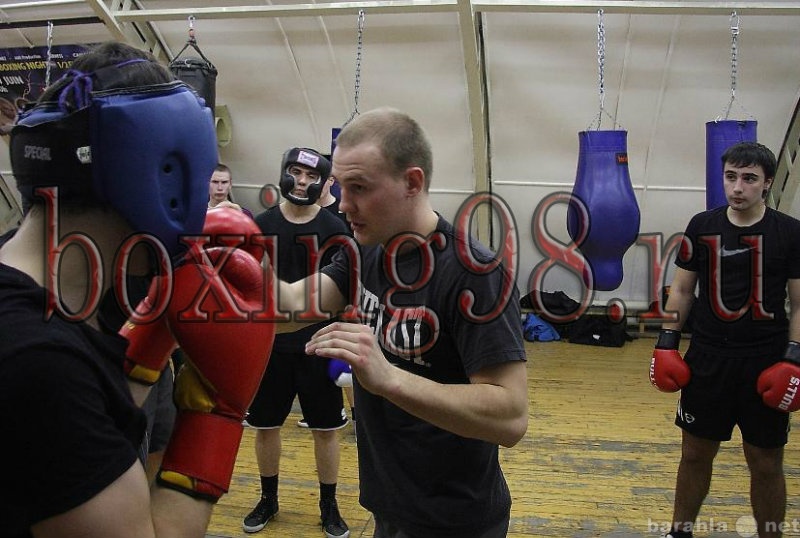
722	394
160	410
385	528
305	376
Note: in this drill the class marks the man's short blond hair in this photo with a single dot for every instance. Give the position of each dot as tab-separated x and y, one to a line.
399	137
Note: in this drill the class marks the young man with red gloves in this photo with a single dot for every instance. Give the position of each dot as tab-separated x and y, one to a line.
742	367
114	161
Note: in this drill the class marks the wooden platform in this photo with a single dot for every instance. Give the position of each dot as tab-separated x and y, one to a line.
599	460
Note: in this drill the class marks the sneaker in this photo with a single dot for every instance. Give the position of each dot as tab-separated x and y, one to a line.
265	510
332	523
302	423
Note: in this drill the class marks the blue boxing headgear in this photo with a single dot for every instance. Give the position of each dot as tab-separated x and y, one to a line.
146	151
306	157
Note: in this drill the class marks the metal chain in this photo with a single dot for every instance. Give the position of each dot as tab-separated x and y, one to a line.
601	62
359	51
49	53
734	59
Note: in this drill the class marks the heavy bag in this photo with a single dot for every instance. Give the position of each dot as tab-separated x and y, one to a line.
720	135
200	74
610	223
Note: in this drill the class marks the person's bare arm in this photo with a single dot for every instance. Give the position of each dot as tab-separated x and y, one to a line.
681	297
493	407
316	293
125	509
794	309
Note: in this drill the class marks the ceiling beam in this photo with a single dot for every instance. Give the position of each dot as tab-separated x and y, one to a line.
637	7
42	3
111	24
294	10
682	7
113	18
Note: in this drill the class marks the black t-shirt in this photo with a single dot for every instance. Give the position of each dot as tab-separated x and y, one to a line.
742	274
69	424
293	262
432	481
334	209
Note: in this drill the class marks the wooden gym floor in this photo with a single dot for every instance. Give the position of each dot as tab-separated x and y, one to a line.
598	460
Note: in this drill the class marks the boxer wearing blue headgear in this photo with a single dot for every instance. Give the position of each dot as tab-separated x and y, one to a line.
317	169
101	140
111	148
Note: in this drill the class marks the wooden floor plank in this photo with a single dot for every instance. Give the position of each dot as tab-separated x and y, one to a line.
598	460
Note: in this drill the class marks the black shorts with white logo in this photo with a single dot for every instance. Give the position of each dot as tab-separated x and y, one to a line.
722	394
305	376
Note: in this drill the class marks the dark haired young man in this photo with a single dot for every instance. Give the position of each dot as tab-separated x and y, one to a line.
743	363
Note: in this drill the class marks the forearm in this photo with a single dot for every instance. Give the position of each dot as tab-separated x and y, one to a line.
316	297
177	515
496	412
794	309
678	306
794	325
680	300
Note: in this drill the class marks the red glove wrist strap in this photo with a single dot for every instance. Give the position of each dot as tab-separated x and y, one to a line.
204	447
668	339
792	353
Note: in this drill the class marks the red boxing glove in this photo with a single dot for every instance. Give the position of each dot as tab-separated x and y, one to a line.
668	371
150	342
226	354
778	385
231	227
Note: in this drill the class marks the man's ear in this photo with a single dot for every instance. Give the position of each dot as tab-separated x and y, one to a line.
768	182
415	180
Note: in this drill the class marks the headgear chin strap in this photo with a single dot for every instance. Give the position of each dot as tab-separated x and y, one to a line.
146	151
311	159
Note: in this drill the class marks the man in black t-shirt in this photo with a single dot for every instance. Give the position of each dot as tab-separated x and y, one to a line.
434	340
299	227
744	352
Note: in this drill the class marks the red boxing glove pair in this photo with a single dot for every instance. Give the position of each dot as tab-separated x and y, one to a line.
778	385
150	341
210	311
668	371
211	316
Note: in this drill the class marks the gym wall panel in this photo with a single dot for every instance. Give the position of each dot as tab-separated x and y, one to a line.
301	84
534	215
287	81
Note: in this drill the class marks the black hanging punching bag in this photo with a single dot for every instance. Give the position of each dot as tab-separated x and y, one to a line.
610	223
199	73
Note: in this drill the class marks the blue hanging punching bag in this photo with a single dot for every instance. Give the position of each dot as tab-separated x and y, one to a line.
610	223
720	135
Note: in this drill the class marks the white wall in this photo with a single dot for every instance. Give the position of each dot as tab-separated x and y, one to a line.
287	81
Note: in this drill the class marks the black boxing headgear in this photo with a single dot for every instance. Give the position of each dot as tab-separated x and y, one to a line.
147	151
311	159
